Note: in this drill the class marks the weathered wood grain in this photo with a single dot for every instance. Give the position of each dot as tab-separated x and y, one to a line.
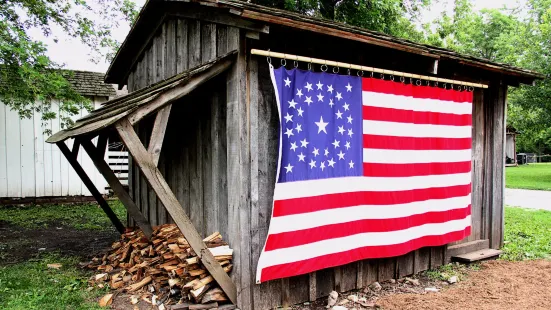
405	265
158	133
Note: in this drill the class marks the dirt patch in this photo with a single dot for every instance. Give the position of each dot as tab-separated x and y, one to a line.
19	244
497	285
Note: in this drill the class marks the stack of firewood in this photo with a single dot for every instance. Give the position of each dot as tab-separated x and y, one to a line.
165	269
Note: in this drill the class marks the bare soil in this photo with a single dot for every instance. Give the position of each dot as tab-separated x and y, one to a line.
18	244
497	285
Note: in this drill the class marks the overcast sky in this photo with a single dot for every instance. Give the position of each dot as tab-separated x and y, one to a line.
75	55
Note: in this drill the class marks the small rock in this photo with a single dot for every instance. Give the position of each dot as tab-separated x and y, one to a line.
412	281
42	249
54	266
339	308
431	289
343	302
353	298
306	303
375	286
332	299
392	281
452	280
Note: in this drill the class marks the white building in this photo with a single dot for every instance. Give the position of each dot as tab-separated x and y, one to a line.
31	168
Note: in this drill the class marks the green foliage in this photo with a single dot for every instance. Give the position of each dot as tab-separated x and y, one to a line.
532	176
29	80
527	234
444	272
83	216
32	285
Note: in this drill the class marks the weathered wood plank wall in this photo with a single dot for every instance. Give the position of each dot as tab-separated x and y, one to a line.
220	156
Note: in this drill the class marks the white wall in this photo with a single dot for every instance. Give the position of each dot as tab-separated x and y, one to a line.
30	167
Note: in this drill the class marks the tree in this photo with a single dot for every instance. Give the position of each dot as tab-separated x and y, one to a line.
29	79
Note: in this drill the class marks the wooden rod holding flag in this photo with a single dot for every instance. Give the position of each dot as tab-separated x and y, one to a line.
362	68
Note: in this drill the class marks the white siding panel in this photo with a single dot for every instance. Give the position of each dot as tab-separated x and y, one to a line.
13	143
39	136
3	153
28	183
56	161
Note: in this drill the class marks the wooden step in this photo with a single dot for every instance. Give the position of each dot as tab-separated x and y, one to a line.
477	256
467	247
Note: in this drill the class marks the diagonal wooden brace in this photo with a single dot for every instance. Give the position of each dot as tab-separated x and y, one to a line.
157	182
117	187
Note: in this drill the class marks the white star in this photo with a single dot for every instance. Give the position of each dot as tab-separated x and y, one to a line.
341	155
348	87
331	104
294	146
336	143
312	164
316	152
351	164
289	132
320	97
349	119
319	85
308	86
347	145
304	143
292	103
330	88
308	100
288	118
299	93
300	111
289	168
339	114
301	157
321	125
339	96
326	152
322	165
331	163
345	106
350	133
287	82
298	128
341	130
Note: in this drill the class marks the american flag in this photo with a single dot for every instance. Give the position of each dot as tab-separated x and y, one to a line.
368	168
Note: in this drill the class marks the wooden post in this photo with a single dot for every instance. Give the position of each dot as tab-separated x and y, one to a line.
117	187
158	133
91	187
157	182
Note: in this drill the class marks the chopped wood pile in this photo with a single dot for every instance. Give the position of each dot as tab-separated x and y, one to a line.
164	270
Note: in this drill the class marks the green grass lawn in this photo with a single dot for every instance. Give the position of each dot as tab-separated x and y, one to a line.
527	234
532	176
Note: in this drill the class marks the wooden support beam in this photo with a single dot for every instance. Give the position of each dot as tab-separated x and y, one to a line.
91	187
117	188
76	146
102	144
157	182
158	133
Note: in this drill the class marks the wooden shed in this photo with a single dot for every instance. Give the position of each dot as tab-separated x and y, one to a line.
202	126
511	146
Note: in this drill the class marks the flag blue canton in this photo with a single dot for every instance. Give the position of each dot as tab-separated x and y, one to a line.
321	125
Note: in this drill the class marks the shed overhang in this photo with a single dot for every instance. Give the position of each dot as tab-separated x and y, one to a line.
139	104
155	11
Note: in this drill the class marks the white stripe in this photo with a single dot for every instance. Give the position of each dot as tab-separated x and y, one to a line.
415	130
280	224
415	104
337	245
415	156
309	188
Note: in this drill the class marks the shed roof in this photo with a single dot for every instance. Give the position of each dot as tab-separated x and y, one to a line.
89	83
140	103
154	10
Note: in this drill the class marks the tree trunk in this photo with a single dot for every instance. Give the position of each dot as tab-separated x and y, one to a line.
327	9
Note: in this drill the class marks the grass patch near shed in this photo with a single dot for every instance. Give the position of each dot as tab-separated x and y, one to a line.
88	216
527	234
34	285
532	176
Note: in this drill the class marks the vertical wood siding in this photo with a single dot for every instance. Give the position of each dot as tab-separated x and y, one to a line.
220	156
30	167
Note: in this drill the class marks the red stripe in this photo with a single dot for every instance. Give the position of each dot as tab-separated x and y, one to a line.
343	200
415	143
428	92
342	258
305	236
410	170
415	117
